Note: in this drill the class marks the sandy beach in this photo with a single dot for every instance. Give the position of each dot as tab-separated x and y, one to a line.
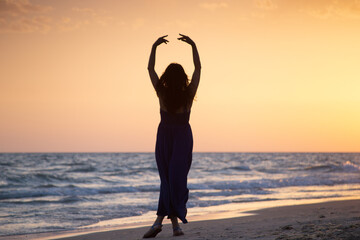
329	220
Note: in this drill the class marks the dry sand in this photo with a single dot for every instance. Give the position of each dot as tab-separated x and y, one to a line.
329	220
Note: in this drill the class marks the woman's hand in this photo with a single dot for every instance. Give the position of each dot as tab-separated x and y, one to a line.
186	39
161	40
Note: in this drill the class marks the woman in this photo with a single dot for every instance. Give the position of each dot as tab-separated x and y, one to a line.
174	140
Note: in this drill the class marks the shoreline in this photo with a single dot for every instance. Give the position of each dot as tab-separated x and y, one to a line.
307	219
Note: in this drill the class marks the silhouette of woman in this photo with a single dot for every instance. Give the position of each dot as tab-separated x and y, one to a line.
174	142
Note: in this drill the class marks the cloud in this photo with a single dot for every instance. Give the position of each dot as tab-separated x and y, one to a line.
89	16
84	10
19	7
336	9
23	16
213	5
26	25
320	13
262	8
265	5
69	24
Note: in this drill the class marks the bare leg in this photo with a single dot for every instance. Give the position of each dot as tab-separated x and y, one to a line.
159	220
176	228
175	223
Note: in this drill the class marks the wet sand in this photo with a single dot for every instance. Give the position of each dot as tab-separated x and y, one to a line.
329	220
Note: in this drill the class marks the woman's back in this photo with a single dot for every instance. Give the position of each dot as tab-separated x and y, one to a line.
174	118
173	90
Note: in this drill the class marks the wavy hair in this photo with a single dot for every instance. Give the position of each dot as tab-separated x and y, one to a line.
173	88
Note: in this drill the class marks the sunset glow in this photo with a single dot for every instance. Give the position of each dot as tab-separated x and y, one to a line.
277	75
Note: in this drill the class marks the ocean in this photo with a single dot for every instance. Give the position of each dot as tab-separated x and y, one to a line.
47	192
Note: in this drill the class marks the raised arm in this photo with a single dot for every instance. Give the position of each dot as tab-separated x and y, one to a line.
196	75
151	66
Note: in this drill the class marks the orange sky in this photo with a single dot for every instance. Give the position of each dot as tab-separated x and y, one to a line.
277	75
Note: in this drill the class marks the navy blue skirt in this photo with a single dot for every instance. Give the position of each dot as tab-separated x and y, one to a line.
173	152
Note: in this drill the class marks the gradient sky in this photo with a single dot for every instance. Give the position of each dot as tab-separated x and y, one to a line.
277	75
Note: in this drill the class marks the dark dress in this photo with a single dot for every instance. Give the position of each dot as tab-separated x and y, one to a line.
173	152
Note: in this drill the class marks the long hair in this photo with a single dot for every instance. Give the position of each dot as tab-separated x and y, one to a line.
172	88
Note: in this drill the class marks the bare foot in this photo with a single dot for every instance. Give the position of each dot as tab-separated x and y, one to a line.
177	231
153	231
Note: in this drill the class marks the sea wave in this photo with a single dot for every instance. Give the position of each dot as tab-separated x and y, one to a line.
271	183
72	190
347	166
80	188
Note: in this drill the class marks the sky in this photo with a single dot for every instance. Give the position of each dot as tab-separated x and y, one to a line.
277	75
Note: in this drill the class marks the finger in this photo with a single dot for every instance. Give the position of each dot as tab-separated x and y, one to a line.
184	36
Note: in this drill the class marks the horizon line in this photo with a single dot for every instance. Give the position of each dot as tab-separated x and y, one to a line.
193	152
